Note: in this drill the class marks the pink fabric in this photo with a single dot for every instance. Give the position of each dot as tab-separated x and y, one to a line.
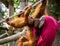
34	32
48	33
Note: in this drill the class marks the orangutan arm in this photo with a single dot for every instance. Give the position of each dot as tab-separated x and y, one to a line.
40	10
37	11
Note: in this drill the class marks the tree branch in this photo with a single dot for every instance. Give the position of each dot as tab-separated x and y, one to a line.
4	28
3	35
13	37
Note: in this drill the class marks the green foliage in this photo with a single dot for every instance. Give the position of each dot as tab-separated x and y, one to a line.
4	45
16	3
1	12
6	14
1	15
32	11
2	31
33	1
53	11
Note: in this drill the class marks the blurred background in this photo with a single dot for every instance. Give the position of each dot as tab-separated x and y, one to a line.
10	7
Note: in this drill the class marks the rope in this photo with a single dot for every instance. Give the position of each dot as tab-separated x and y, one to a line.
3	20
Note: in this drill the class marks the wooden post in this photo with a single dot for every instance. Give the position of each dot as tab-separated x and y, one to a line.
11	7
11	12
22	4
13	43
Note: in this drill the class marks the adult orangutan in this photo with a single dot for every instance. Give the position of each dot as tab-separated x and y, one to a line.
30	37
49	29
25	19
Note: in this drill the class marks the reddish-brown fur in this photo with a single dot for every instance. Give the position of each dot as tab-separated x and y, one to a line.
28	39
